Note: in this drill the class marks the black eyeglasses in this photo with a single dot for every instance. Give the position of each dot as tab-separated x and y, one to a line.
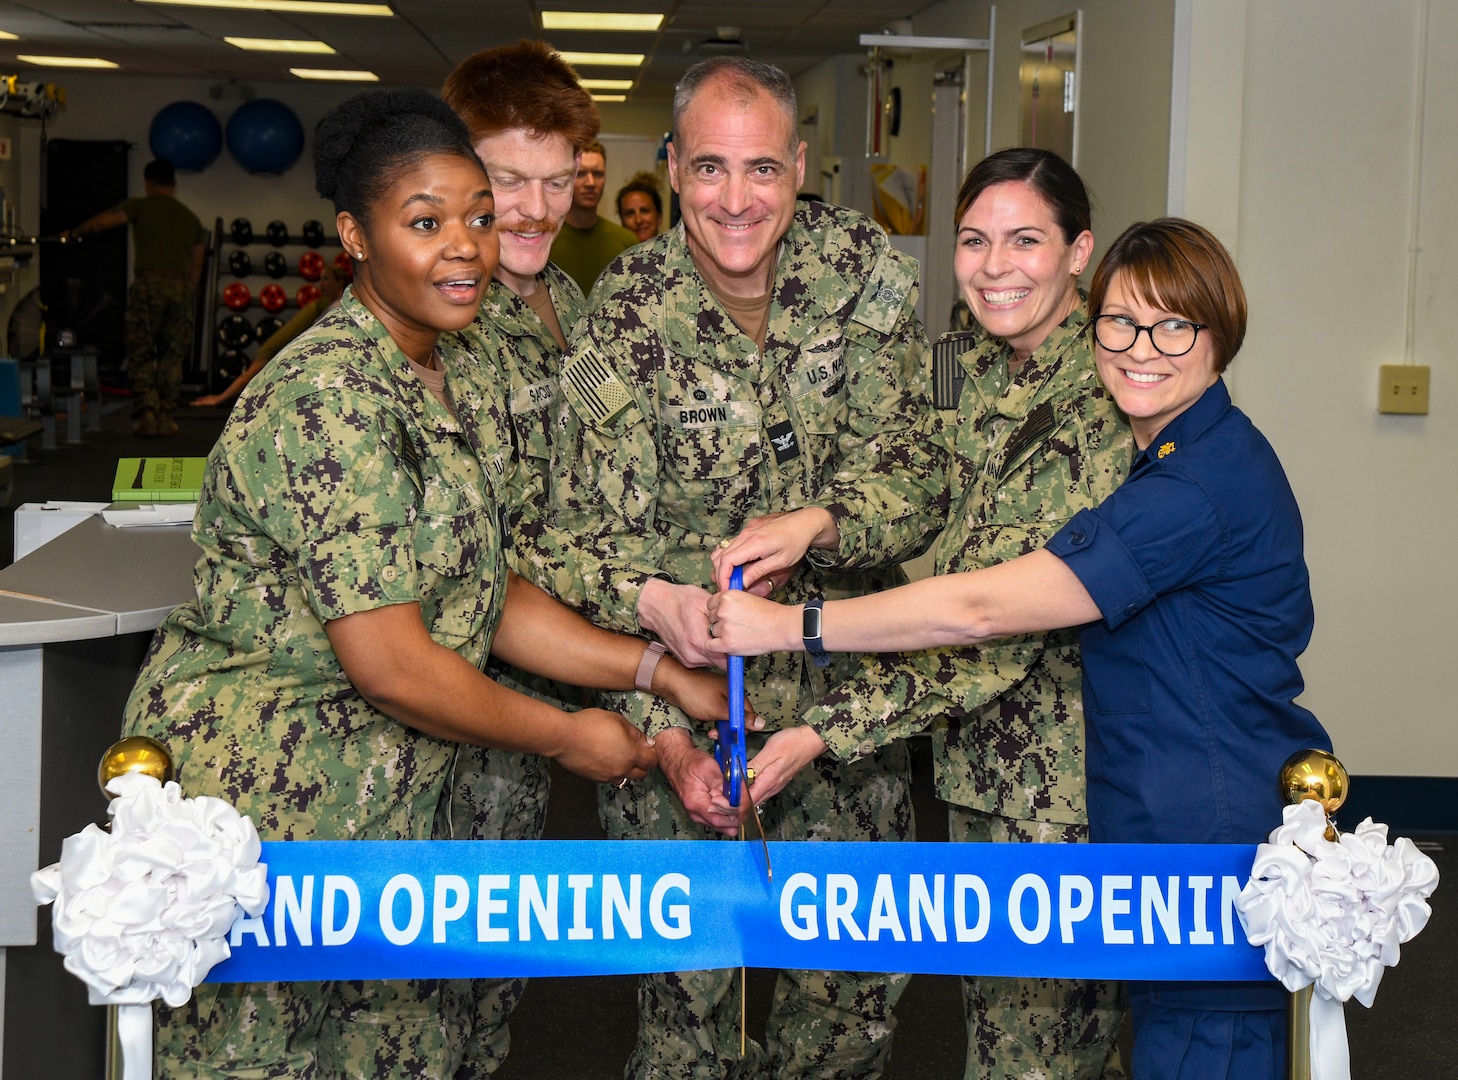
1172	337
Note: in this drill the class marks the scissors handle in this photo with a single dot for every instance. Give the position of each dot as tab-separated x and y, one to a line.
731	751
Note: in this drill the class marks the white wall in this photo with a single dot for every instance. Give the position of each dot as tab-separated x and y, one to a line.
1301	150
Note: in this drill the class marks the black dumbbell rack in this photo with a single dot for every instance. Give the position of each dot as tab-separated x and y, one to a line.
218	275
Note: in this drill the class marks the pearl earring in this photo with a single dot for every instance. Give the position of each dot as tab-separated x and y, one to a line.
359	255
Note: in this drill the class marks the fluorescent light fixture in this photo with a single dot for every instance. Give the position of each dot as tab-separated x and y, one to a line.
606	84
66	61
609	97
284	45
335	74
6	35
599	20
297	7
603	59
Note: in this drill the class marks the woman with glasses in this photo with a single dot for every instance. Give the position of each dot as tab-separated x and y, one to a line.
1191	591
1031	438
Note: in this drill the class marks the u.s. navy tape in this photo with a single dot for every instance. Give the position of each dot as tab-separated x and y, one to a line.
406	909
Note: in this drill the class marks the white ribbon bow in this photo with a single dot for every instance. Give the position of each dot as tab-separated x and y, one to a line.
1334	913
143	911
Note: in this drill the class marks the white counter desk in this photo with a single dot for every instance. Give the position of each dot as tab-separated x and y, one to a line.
75	619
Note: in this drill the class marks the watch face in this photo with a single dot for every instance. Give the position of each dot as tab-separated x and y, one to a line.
810	624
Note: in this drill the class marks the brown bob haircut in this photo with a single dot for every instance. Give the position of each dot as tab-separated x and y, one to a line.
1179	266
526	85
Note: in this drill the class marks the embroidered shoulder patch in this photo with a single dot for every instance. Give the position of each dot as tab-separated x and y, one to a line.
948	374
887	291
596	385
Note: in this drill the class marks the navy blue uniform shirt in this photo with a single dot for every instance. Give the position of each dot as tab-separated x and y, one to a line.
1190	680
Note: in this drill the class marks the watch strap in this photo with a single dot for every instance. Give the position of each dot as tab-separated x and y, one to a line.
814	643
648	665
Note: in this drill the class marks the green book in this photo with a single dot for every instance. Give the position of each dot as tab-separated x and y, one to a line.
158	479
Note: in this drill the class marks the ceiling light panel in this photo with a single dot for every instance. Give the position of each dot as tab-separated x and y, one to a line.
606	84
334	74
66	61
603	59
283	45
600	20
294	7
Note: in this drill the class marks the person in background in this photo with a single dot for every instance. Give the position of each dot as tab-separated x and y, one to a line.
168	242
1191	593
528	117
640	206
351	584
762	356
331	288
1032	439
587	242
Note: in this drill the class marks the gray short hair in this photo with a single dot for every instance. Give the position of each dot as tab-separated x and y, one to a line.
746	79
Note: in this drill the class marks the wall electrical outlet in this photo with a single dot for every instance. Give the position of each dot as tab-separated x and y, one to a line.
1403	388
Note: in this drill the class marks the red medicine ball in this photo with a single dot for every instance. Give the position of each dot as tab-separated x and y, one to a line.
237	295
307	294
311	266
274	298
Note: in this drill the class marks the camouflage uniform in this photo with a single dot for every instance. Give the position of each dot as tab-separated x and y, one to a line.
498	794
1027	452
675	431
160	301
339	485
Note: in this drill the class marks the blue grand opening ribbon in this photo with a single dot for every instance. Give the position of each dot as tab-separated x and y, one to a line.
417	909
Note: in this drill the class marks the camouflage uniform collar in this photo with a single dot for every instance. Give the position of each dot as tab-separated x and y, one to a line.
805	284
504	312
426	411
1055	359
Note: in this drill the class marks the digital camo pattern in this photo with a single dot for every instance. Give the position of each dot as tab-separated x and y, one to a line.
1027	452
1036	1029
496	794
339	485
159	335
824	1024
675	430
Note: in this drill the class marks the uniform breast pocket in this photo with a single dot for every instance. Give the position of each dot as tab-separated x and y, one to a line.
456	550
712	442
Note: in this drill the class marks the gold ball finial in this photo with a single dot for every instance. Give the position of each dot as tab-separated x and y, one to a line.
137	754
1314	774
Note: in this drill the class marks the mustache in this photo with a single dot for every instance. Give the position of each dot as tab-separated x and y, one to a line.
523	224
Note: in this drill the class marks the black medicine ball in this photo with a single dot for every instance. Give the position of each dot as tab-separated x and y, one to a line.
275	265
228	366
240	264
313	233
278	233
235	332
266	328
242	231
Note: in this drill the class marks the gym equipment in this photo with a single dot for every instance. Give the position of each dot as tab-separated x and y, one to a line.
266	328
307	294
239	264
235	332
275	265
273	298
237	296
241	231
345	263
186	134
277	233
264	136
229	364
313	233
311	266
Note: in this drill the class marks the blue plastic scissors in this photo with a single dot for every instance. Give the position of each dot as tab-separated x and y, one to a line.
730	751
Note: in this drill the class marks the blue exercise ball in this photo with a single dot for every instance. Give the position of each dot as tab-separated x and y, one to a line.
186	134
264	136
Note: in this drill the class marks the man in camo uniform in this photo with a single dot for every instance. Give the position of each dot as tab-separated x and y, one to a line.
167	242
759	357
528	117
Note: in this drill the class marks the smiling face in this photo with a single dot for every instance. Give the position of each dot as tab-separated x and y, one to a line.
428	251
736	173
531	179
638	214
1149	387
591	179
1018	273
